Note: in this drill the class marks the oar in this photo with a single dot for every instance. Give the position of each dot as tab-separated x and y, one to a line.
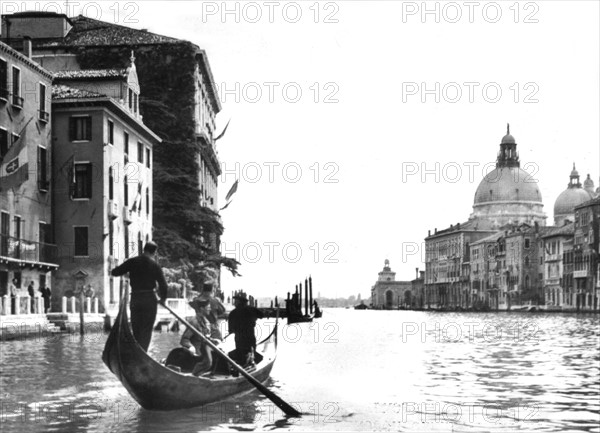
285	407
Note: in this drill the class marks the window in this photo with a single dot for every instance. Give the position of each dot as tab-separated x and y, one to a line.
3	80
42	169
83	180
16	87
126	146
44	115
148	157
140	153
3	142
111	183
81	241
125	191
527	243
80	128
111	132
130	97
135	103
126	232
147	201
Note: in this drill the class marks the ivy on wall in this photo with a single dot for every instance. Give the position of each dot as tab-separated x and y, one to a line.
182	227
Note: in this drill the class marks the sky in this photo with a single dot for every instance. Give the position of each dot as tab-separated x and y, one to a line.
357	126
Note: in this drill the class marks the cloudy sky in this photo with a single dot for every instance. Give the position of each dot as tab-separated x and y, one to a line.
358	126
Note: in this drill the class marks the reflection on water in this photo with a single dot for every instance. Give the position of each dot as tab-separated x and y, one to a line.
350	371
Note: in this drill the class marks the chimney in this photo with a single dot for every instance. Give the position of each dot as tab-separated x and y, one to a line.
435	231
458	226
27	46
428	232
417	269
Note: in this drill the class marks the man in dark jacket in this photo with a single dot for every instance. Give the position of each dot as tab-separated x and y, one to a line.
242	321
144	274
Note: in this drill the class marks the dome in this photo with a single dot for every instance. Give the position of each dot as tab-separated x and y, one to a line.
568	199
508	139
588	184
507	184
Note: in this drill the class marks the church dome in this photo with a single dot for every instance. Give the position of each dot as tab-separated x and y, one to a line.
507	184
574	195
568	199
508	194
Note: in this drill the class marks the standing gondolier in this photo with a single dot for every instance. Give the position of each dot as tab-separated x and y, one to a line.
144	275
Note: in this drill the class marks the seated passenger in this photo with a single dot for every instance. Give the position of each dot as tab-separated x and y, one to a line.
194	343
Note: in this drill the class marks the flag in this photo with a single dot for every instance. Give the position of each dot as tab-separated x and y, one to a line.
14	169
224	130
137	203
225	207
232	190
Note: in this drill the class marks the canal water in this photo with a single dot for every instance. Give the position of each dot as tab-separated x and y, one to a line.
348	371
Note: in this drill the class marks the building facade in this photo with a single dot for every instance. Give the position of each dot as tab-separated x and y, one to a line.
387	293
27	250
103	180
180	103
585	258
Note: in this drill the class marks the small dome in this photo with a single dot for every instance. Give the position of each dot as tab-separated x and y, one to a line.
508	184
574	172
508	139
588	183
568	199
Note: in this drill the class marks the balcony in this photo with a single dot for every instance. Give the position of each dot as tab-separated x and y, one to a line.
113	209
44	116
581	274
43	185
27	253
17	101
3	95
127	215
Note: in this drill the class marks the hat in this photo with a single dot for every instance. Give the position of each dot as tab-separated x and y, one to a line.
241	296
198	303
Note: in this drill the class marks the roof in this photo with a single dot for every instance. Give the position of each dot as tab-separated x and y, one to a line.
17	55
507	185
592	202
91	73
40	14
65	96
90	32
60	91
566	230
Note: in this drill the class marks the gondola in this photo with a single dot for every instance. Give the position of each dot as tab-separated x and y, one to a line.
156	387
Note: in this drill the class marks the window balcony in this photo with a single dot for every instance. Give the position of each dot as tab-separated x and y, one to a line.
113	209
44	116
127	215
3	95
43	185
25	253
17	101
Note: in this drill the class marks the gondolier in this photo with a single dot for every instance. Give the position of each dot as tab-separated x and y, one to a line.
144	275
242	321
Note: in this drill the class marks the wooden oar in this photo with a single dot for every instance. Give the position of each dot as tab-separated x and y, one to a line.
281	404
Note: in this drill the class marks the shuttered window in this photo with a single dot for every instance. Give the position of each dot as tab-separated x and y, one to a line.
80	128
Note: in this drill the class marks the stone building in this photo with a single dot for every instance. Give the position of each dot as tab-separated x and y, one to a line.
586	248
103	178
27	251
558	283
447	264
387	293
507	196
